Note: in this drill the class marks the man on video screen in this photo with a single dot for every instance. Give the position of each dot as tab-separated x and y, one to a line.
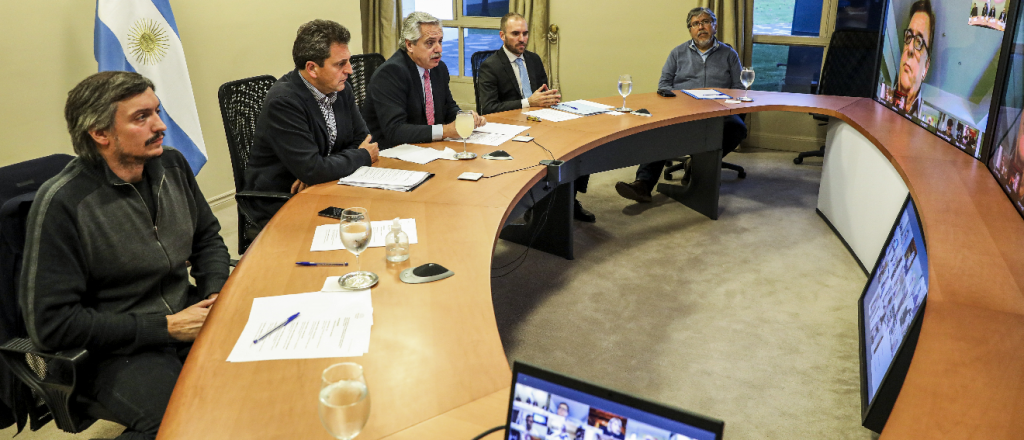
916	57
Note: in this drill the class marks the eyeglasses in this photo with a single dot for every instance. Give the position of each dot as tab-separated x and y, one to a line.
918	40
704	22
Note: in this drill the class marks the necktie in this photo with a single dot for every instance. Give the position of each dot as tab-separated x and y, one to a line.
428	97
524	78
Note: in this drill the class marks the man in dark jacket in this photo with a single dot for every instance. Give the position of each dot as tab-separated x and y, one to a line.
408	101
309	130
701	62
514	78
106	249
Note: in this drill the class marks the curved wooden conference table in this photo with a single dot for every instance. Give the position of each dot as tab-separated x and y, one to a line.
436	367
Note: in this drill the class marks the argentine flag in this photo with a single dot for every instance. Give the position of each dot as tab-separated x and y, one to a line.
141	36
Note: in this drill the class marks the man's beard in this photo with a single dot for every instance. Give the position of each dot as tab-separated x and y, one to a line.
127	160
512	48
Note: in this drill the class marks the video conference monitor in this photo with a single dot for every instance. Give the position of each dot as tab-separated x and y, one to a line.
891	308
1007	161
545	405
939	65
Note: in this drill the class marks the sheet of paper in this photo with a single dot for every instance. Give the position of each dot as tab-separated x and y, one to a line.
385	178
552	115
327	238
493	134
595	104
581	107
706	94
412	153
330	324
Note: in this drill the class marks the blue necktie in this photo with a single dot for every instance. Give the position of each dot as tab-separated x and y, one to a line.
523	78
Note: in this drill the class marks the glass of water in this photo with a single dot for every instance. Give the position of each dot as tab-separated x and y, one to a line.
747	78
625	87
464	125
344	400
355	236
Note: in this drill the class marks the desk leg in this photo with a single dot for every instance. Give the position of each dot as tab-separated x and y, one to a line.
701	194
552	234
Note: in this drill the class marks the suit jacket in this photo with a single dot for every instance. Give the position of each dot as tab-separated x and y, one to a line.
499	89
395	108
292	142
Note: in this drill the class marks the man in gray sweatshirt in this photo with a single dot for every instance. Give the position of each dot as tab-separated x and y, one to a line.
699	63
107	248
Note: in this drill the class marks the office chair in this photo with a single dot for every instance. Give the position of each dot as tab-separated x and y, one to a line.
684	164
476	60
240	104
35	384
848	70
363	67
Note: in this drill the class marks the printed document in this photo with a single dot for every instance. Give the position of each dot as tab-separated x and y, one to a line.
327	238
706	94
385	178
420	155
552	115
493	134
330	324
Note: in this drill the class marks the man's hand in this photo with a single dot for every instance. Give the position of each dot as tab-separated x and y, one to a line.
298	186
184	325
371	147
478	121
544	97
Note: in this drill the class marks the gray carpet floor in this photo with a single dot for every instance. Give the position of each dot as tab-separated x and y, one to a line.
751	319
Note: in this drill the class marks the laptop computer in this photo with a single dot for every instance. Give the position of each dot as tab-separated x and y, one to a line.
545	405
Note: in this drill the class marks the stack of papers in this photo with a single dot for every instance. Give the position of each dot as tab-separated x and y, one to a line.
420	155
331	323
552	115
386	178
707	94
582	107
326	237
493	134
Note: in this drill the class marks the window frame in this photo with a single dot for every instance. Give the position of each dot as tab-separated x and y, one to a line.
462	22
829	9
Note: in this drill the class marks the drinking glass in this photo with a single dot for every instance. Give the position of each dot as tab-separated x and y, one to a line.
355	235
344	400
747	78
625	87
464	125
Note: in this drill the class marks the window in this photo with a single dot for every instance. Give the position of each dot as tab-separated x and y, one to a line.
790	38
469	26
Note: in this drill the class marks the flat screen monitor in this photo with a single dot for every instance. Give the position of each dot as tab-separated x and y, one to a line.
938	65
890	310
1007	161
549	406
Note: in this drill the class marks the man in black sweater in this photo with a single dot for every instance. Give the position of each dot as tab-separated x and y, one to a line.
106	248
309	130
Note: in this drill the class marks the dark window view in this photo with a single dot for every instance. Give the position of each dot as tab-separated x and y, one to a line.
484	8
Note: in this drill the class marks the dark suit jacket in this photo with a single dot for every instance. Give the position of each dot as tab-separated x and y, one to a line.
395	110
291	142
499	89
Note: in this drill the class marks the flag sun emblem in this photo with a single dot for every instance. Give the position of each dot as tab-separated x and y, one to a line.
147	41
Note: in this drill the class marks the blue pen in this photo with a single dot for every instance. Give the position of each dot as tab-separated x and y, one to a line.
313	263
567	105
290	319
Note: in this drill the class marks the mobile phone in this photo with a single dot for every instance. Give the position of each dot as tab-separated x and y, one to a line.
667	93
332	212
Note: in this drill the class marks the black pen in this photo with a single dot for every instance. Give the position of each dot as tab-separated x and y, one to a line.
290	319
313	263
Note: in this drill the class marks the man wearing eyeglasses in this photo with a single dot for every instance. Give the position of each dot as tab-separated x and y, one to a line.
916	58
702	62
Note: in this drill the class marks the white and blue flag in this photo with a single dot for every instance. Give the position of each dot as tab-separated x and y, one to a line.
141	36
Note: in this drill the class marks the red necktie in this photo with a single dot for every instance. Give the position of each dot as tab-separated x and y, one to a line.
429	97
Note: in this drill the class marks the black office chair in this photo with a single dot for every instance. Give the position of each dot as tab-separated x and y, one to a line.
363	67
240	104
34	384
848	70
684	164
476	60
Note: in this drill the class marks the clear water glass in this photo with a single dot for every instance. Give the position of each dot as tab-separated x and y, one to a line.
747	78
355	234
625	88
344	400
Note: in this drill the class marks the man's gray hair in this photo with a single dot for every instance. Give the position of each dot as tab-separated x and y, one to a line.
92	106
411	26
696	12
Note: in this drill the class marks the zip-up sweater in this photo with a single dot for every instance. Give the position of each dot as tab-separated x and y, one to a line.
685	69
99	273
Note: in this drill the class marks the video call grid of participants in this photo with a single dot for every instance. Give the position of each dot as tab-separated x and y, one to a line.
540	415
897	292
1007	161
917	67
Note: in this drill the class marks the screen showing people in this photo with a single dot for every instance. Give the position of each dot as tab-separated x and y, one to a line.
1007	161
546	411
894	295
938	65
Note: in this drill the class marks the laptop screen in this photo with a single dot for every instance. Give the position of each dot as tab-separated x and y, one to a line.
548	406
